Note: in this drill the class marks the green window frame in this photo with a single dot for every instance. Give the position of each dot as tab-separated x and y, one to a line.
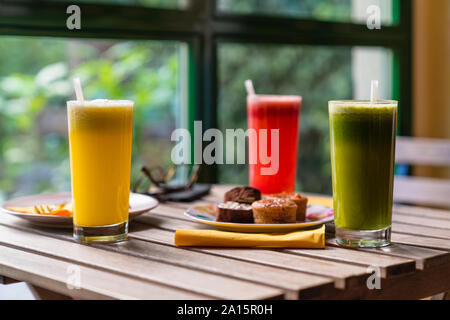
203	27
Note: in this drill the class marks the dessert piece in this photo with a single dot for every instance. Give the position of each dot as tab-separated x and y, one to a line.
274	210
243	195
234	212
300	201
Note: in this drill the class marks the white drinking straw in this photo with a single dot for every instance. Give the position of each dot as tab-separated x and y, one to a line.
249	87
374	92
78	90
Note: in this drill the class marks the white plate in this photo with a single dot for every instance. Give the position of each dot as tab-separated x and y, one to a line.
315	215
139	204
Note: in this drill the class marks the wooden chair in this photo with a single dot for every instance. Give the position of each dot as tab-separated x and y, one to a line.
422	190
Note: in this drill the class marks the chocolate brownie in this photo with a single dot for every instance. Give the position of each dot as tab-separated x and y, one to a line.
243	195
234	212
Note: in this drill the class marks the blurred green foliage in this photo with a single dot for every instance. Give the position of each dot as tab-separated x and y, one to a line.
334	10
35	83
165	4
317	73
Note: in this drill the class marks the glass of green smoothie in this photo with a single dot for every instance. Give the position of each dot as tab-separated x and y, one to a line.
362	138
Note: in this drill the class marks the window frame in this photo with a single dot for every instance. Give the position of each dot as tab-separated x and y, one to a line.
203	28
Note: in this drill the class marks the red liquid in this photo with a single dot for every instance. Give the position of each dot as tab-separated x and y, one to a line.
274	112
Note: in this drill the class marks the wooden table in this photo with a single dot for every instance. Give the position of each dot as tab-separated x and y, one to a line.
149	266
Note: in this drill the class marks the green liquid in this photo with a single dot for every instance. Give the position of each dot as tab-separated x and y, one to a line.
362	158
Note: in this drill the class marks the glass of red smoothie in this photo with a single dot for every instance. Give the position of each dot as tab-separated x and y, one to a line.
273	112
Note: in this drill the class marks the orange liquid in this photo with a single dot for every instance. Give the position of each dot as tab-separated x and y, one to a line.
274	112
100	137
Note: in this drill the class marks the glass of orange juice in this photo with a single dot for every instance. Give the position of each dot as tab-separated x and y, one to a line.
100	138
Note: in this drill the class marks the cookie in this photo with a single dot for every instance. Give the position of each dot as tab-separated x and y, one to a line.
300	200
274	210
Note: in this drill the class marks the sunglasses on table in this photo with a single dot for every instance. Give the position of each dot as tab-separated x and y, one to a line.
156	181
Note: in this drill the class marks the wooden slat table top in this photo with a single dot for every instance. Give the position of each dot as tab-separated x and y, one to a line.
150	266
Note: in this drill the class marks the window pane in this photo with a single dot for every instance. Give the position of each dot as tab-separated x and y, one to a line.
163	4
35	82
357	11
318	74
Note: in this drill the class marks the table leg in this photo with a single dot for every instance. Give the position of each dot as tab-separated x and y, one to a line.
7	280
441	296
38	292
45	294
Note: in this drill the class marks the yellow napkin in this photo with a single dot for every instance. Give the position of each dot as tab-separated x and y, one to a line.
213	238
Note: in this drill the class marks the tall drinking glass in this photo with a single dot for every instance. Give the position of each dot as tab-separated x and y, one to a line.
362	138
273	112
100	135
